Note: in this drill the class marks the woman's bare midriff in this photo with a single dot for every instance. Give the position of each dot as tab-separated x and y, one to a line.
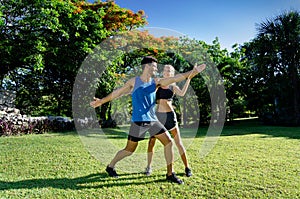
164	105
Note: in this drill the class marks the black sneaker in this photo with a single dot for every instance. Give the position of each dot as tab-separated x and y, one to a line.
111	172
188	172
173	178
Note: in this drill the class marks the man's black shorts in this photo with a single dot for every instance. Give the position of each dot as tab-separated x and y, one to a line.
138	130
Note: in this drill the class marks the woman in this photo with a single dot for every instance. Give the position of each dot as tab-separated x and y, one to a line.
166	115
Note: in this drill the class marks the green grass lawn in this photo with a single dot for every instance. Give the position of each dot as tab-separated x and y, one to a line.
248	161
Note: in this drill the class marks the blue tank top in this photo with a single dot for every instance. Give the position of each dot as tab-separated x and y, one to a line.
143	101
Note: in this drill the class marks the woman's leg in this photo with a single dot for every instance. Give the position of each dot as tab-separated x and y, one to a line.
150	154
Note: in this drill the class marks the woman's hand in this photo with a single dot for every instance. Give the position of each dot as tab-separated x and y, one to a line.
97	102
196	70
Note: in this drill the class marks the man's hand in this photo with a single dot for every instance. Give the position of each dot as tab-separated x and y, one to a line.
97	102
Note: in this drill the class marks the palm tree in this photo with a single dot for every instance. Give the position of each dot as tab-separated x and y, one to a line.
278	54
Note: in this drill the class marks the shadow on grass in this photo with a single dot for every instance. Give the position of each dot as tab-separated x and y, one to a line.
254	126
91	181
112	133
238	127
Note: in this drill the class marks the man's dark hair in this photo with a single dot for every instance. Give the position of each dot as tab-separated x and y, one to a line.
148	60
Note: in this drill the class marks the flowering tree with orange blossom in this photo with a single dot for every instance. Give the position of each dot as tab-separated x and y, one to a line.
43	43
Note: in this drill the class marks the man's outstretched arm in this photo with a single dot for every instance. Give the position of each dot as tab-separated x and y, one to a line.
113	95
182	76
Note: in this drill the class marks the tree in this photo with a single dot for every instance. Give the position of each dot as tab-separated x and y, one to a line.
54	37
275	58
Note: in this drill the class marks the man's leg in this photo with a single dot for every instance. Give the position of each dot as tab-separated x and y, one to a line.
166	140
127	151
177	138
182	152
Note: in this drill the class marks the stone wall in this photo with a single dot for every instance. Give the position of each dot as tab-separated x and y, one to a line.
12	122
7	99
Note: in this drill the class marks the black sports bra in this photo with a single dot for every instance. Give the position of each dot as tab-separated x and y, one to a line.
166	93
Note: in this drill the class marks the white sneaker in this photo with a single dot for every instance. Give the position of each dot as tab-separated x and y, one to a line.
148	171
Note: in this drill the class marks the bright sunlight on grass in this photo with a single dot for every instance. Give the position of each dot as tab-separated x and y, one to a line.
248	161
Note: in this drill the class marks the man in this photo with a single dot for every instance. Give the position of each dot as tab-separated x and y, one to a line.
143	90
166	115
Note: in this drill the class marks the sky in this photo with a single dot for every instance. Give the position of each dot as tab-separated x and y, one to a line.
232	21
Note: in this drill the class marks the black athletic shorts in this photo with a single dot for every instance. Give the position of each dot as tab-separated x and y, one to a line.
168	119
138	130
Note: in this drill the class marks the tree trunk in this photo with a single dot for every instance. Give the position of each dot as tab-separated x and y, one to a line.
296	98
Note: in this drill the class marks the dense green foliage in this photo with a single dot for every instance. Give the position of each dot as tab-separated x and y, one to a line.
274	75
44	43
